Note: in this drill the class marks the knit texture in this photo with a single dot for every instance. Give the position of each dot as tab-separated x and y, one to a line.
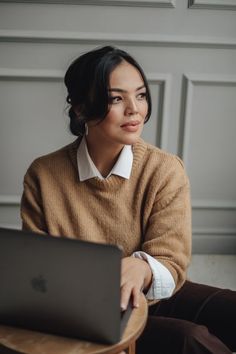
150	212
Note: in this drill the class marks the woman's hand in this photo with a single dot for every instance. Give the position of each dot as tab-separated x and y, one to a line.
136	275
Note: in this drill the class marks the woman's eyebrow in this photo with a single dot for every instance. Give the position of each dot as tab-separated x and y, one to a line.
124	91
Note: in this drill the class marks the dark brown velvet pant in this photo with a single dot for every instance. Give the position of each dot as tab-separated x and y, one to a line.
198	319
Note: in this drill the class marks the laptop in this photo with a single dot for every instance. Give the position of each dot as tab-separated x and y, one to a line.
61	286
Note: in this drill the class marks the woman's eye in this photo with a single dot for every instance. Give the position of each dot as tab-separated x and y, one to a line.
114	99
142	95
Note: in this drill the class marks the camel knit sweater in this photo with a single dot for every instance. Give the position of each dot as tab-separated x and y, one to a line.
149	212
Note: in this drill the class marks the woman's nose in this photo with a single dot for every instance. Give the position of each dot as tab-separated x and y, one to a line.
131	107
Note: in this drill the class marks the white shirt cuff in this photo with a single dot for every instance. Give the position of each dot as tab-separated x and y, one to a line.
163	283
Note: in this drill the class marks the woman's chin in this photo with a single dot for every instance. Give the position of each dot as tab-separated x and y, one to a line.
131	138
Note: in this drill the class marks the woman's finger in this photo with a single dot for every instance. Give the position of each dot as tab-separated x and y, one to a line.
126	292
135	273
136	296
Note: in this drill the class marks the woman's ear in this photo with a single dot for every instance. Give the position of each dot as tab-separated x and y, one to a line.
77	110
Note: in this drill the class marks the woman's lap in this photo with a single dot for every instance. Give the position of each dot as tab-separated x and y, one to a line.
197	313
164	335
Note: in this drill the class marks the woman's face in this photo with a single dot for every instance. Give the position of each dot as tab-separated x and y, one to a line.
127	110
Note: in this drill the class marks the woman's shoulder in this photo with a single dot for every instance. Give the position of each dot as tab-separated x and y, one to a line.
154	155
58	159
161	168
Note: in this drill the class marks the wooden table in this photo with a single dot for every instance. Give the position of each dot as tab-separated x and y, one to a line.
31	342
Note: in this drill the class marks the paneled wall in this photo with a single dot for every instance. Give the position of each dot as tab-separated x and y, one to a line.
187	49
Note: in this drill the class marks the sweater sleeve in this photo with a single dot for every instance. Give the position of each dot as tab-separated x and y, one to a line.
168	228
31	206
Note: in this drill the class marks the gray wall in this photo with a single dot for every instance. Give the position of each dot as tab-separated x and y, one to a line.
187	50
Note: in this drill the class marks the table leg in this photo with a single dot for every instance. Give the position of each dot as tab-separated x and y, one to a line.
131	349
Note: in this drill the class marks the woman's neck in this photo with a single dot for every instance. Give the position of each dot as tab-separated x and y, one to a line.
104	155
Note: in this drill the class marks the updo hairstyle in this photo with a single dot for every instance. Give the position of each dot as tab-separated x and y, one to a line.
87	83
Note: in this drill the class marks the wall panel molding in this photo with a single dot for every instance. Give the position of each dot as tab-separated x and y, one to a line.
10	226
210	244
9	200
9	74
213	4
165	81
191	80
214	241
133	3
214	204
30	75
215	232
31	36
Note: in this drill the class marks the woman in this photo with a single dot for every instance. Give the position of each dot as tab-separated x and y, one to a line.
110	186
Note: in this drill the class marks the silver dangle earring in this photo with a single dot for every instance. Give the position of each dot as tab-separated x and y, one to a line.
86	128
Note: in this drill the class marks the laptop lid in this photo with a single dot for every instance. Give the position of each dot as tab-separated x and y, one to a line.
60	286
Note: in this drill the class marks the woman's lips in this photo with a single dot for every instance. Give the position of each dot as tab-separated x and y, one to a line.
131	126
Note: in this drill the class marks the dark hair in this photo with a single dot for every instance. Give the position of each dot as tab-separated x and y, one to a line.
87	82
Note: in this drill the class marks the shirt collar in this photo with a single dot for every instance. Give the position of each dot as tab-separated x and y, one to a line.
87	168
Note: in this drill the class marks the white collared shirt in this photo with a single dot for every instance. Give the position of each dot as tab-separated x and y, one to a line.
162	281
87	169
